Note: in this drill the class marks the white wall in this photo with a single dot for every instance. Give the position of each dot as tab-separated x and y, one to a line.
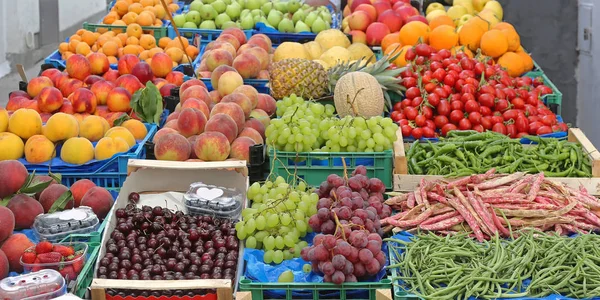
4	68
75	12
21	19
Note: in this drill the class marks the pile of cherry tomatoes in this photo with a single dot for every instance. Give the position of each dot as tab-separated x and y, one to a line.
447	92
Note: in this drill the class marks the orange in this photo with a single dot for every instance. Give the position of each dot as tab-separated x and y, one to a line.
82	48
192	51
110	17
160	11
513	63
494	43
173	7
470	35
120	23
462	49
63	47
411	33
145	19
132	40
184	60
481	23
147	41
73	45
143	55
110	48
163	42
149	60
527	61
121	7
131	49
443	37
129	18
134	30
112	60
395	49
441	20
390	39
175	54
514	40
136	8
147	3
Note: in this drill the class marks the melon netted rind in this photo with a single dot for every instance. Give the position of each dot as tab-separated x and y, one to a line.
358	94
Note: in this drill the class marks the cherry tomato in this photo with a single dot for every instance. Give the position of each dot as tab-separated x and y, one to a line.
467	64
395	116
549	120
458	85
464	124
532	98
436	65
447	128
448	89
556	128
467	97
449	80
500	94
472	81
510	93
412	92
407	72
439	74
409	82
423	50
544	90
500	128
406	103
471	106
398	106
430	124
479	68
420	120
486	122
453	67
466	74
433	99
486	100
511	130
427	112
411	113
485	111
487	89
444	53
527	81
429	87
510	114
417	133
497	119
435	57
543	130
403	121
406	130
475	118
534	126
416	101
501	105
522	124
441	92
530	110
456	105
489	72
440	121
443	108
410	54
518	103
420	60
456	116
455	97
469	89
478	128
428	132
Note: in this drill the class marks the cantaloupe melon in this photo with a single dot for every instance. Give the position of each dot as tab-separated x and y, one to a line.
358	94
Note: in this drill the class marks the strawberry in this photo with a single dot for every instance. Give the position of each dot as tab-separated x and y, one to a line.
77	263
52	257
28	257
68	273
43	247
66	251
36	265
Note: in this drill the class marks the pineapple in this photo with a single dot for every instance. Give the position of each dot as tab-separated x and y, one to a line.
302	77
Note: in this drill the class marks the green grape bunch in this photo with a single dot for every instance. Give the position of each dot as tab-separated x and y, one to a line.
277	218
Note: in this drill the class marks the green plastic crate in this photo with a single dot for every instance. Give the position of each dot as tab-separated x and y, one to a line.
159	32
549	99
84	279
314	167
399	294
257	288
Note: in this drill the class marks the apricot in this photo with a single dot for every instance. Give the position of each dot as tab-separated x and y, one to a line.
3	120
39	149
77	151
121	132
93	128
137	128
61	127
107	147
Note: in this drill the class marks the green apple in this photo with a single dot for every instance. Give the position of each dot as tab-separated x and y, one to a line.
298	15
256	12
193	16
434	6
252	4
179	20
293	6
196	5
208	24
463	20
301	27
207	12
280	6
319	25
266	8
286	25
233	10
229	24
221	19
219	6
274	18
247	22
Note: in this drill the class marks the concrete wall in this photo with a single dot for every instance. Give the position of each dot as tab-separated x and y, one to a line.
75	12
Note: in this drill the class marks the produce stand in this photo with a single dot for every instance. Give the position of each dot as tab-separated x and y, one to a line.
99	286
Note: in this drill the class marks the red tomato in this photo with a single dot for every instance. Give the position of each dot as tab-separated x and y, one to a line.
489	72
444	108
449	80
530	110
499	127
486	122
500	94
410	54
518	103
439	74
453	67
440	121
412	92
417	133
428	132
448	89
475	118
468	88
455	97
485	111
467	64
487	89
444	53
456	105
411	113
522	124
472	81
423	50
464	124
511	130
406	130
544	90
436	65
420	120
501	105
478	128
465	74
429	87
407	72
456	116
510	114
471	106
441	92
467	97
497	119
532	98
409	82
416	101
419	61
486	100
430	124
403	121
406	103
479	68
549	120
458	85
398	106
522	134
534	127
436	57
427	112
395	116
555	128
543	130
563	127
433	99
448	127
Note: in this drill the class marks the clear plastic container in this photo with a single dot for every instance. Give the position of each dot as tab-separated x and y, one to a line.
218	201
75	265
45	284
56	226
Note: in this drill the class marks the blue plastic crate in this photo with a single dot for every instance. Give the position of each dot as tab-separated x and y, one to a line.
109	174
206	35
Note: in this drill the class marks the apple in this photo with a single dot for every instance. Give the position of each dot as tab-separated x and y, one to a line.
381	6
391	19
193	16
179	20
417	18
356	3
406	12
196	5
434	6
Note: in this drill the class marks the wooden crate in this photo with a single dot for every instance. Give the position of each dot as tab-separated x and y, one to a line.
223	286
405	182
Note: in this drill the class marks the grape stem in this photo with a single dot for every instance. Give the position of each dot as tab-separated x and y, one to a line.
338	226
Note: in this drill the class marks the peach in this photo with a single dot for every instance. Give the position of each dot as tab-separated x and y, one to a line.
4	267
238	33
267	104
25	123
84	101
99	63
190	83
45	117
204	74
101	110
241	100
218	57
261	115
172	124
369	9
263	74
165	90
77	151
253	134
50	99
51	194
107	147
228	82
391	19
175	77
93	128
202	68
121	132
215	97
101	90
61	127
216	74
355	3
359	20
231	109
143	72
197	92
92	79
257	125
69	86
192	140
15	103
25	210
162	132
250	92
262	41
161	64
33	105
12	146
173	116
39	149
50	73
42	179
7	223
3	120
358	36
376	32
261	54
240	148
215	45
37	84
59	79
78	66
381	6
79	188
137	128
159	82
247	65
99	199
13	175
13	247
67	107
191	121
126	63
18	94
111	75
228	38
197	104
129	82
212	146
224	124
172	146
